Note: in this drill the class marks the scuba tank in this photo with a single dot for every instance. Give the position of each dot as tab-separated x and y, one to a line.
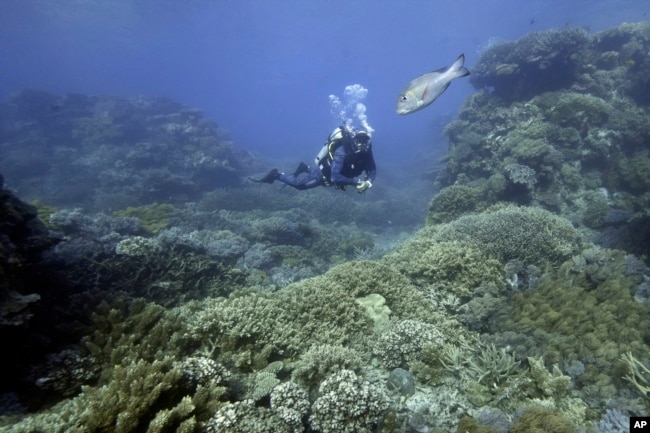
335	136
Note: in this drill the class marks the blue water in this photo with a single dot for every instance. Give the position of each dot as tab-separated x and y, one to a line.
265	70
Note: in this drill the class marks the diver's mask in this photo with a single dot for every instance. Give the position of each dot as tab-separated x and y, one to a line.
361	141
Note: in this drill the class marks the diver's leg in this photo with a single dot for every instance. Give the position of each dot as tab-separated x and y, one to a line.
302	168
313	179
271	176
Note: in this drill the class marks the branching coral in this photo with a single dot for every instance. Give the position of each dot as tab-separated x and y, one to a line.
532	235
154	217
459	267
131	399
319	361
638	374
493	366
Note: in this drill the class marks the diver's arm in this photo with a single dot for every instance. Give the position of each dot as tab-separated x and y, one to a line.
371	168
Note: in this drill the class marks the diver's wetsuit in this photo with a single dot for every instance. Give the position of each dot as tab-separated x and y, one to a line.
345	167
312	179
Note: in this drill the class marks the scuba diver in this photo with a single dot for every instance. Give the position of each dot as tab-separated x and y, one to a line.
344	158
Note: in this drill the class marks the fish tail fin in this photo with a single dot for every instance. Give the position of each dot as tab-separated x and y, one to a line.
457	69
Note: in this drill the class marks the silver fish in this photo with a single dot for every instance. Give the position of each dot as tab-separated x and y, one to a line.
423	90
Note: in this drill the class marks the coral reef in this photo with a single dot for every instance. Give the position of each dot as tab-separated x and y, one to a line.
532	235
246	309
559	120
346	403
403	342
540	419
319	361
452	202
291	403
154	217
139	150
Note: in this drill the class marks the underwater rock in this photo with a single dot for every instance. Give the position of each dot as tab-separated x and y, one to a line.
23	237
401	381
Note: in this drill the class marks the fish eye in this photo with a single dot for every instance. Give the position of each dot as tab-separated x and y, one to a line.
404	98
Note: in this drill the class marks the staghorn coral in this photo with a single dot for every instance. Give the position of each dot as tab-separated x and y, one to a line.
613	421
140	395
638	374
550	384
146	267
492	366
127	332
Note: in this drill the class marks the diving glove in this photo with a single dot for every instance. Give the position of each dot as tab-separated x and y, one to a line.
362	186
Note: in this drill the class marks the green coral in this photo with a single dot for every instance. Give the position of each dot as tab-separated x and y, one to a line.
538	419
551	384
459	267
255	325
532	235
44	211
141	396
319	361
164	275
493	366
154	217
130	399
634	172
638	374
128	332
452	202
468	424
375	307
609	321
574	110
